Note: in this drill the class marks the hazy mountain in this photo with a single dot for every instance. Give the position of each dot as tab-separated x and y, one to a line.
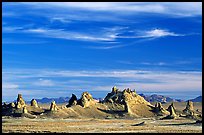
57	100
159	98
197	99
149	98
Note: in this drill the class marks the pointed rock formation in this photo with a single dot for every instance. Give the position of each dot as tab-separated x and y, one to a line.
171	105
190	113
114	89
189	108
4	106
132	103
34	103
72	101
20	102
172	114
86	100
53	106
25	109
12	105
159	109
127	97
114	96
18	105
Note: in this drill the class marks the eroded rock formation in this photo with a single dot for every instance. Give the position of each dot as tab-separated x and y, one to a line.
12	105
172	114
171	105
86	100
129	98
72	101
159	109
20	102
34	103
53	106
189	108
190	113
25	109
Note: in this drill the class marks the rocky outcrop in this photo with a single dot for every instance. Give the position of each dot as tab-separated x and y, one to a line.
127	97
190	113
25	109
53	106
133	103
72	101
172	114
159	109
14	109
86	100
12	105
171	105
114	96
20	102
189	108
34	103
8	106
114	89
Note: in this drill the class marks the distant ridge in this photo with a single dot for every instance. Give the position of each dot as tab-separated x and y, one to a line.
151	98
197	99
160	98
57	100
49	100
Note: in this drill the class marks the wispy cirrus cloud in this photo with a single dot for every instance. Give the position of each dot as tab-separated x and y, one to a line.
60	19
182	9
103	35
152	33
163	77
156	33
9	86
57	33
48	82
102	12
44	82
155	64
62	34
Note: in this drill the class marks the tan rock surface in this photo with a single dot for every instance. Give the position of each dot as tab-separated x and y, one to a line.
53	106
20	101
34	103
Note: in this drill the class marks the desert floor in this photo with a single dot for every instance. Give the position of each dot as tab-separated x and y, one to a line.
111	125
152	125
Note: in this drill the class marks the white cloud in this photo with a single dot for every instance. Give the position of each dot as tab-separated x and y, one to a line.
164	78
154	33
11	29
67	81
154	64
60	19
103	35
44	82
158	33
9	86
70	35
166	8
106	47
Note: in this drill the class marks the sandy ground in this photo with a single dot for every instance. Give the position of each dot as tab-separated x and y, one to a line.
151	125
96	125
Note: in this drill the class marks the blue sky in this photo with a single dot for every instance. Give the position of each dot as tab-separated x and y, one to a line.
56	49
